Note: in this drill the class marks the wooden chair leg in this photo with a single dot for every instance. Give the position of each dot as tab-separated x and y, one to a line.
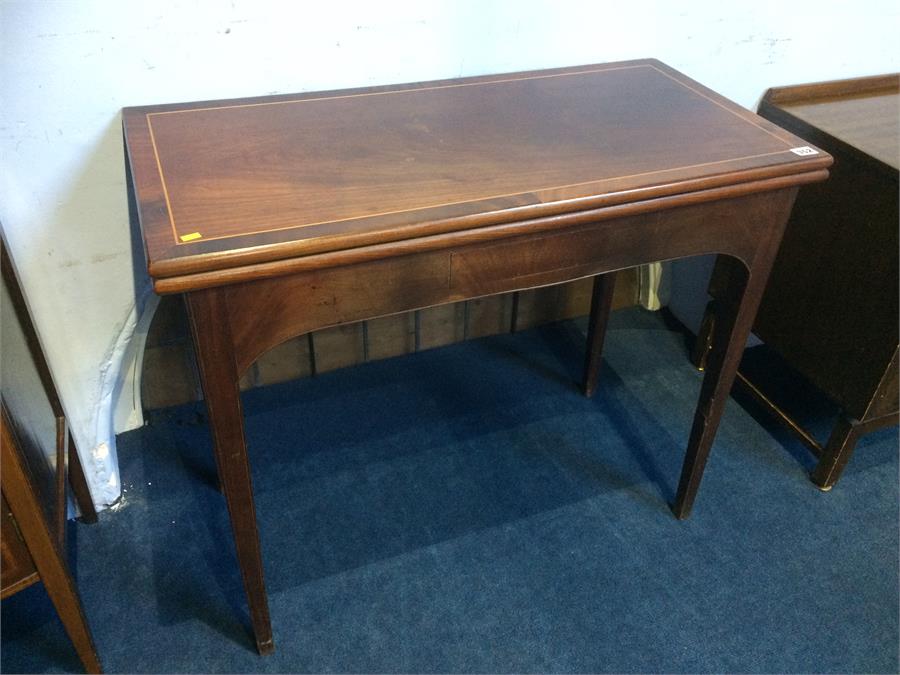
45	552
215	358
703	341
601	304
80	490
836	453
734	319
61	502
718	287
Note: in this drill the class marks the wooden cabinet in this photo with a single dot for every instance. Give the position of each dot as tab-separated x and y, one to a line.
33	549
17	569
34	501
830	307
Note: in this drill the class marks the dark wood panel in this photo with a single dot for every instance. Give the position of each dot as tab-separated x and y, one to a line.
288	306
16	567
832	302
21	499
861	112
329	297
831	307
886	400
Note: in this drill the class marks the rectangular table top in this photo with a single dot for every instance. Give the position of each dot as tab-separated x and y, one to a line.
229	183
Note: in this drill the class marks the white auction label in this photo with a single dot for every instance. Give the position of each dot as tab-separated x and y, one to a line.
804	150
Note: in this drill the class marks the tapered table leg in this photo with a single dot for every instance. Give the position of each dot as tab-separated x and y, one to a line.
739	299
718	282
731	328
836	453
601	303
215	357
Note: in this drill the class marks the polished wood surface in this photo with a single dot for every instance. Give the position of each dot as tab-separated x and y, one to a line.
16	566
223	184
268	311
831	306
40	543
861	113
601	304
218	374
281	216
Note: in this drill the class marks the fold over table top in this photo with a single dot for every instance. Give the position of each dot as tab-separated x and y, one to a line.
226	184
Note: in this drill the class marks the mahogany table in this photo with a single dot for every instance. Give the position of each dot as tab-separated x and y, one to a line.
280	215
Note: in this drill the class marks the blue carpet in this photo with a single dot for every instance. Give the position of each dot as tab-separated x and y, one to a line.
467	510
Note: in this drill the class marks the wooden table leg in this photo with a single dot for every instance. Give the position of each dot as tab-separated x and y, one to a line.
844	437
209	318
836	453
718	282
87	512
601	303
734	318
703	341
741	290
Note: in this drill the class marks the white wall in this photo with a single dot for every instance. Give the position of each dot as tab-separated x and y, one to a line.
68	67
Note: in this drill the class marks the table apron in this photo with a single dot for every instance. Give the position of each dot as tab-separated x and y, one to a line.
266	312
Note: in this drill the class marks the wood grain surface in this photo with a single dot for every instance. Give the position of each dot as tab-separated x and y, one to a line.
231	183
285	215
861	113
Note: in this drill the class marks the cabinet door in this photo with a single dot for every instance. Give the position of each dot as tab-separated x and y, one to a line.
16	567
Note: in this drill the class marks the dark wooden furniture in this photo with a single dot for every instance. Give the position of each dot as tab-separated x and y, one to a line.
31	549
281	215
35	504
830	308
